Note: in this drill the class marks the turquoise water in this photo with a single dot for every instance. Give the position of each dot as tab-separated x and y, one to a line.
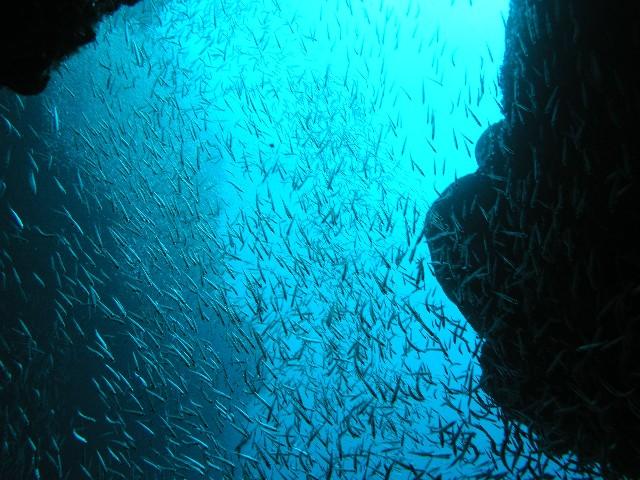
239	190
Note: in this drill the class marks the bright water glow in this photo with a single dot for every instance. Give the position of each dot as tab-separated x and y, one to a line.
279	158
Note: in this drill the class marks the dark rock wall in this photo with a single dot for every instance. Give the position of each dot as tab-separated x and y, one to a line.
36	35
540	248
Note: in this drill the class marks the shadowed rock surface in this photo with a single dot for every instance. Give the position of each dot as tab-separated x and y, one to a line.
540	248
36	35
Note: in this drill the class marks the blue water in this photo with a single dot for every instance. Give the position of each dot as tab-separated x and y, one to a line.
244	290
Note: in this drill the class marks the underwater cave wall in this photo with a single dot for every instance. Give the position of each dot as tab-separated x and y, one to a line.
539	247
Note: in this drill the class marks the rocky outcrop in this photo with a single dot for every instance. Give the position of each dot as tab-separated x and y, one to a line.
540	248
36	35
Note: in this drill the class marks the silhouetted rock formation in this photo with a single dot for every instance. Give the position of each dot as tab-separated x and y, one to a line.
540	248
36	35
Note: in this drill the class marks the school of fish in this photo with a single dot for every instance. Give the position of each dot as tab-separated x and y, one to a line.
213	260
